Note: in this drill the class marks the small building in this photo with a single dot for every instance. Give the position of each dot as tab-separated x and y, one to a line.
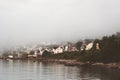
66	48
58	50
97	46
10	56
89	46
72	48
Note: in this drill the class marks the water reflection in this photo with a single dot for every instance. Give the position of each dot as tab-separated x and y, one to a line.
98	73
30	70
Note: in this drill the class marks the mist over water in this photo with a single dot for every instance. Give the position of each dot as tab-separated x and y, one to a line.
37	21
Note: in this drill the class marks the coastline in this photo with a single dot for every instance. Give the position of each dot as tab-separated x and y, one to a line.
69	62
111	65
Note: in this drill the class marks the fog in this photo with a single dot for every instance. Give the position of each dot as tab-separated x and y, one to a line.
26	21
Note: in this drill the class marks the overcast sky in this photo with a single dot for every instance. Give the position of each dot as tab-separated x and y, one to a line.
23	21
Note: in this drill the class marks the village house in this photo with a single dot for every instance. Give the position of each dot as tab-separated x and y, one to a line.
72	48
66	48
83	47
58	50
97	46
89	46
10	56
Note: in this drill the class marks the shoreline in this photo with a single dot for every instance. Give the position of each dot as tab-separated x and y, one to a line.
69	62
111	65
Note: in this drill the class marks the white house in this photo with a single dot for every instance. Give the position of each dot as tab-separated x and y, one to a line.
58	50
35	54
89	46
41	51
10	56
66	48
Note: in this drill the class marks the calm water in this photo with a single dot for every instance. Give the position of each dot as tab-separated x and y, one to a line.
28	70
